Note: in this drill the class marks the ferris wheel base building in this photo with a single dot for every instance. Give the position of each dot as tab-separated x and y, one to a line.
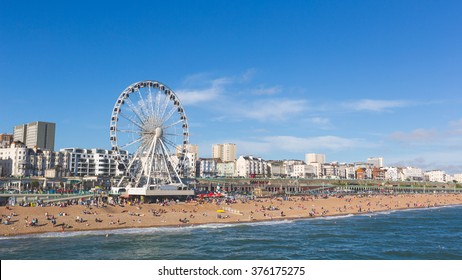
153	192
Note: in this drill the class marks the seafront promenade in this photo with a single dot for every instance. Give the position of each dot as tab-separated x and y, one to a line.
61	217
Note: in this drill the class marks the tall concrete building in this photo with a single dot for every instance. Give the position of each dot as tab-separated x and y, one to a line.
315	158
375	161
36	134
225	152
19	133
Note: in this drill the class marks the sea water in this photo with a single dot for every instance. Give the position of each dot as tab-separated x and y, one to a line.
433	233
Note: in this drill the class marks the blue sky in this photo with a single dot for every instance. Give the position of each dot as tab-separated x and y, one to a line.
351	79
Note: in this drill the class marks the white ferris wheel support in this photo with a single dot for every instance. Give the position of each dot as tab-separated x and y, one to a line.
149	122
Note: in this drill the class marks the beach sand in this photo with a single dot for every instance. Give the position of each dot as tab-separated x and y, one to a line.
193	213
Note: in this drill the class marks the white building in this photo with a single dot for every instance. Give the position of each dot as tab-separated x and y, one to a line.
413	174
435	176
330	171
224	152
191	154
289	166
458	177
207	167
315	158
346	171
190	164
393	174
251	167
226	169
93	162
375	161
317	169
16	160
42	160
277	169
304	171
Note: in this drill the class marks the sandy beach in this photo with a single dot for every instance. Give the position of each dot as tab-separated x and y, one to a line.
29	220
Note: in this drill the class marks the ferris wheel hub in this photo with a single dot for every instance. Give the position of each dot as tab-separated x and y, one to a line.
158	132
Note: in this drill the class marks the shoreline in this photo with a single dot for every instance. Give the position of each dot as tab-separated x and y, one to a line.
197	214
113	231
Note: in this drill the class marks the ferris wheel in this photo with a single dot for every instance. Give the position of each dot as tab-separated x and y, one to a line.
149	124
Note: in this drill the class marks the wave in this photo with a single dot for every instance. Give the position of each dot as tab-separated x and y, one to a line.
143	231
336	217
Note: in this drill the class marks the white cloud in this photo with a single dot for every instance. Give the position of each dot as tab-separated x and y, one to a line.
267	90
455	127
375	105
417	135
248	75
323	123
194	96
271	109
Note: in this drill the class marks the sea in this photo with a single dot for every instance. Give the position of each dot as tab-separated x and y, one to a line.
415	234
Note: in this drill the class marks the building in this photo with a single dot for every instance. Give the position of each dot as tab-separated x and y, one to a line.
6	140
393	174
378	173
225	152
191	155
413	174
361	173
6	167
42	160
346	171
375	161
303	171
93	162
16	160
315	158
226	169
20	133
435	176
329	171
458	177
289	166
36	134
190	148
277	169
208	167
251	167
190	164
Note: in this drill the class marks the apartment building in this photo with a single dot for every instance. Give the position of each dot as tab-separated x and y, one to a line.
375	161
93	162
224	152
315	158
207	167
40	135
251	167
226	169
